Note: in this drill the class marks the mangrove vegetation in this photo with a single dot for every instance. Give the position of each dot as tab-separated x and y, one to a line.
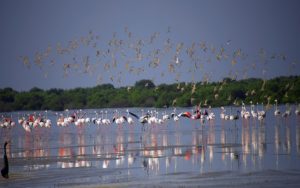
146	94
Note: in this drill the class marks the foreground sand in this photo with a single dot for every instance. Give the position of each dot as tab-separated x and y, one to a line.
94	179
220	179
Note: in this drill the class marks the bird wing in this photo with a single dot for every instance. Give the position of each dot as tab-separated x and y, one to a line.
134	115
185	114
125	118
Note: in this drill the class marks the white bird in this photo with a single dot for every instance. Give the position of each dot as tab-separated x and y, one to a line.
260	118
277	111
234	117
297	111
21	120
158	120
105	121
244	113
26	126
174	115
253	112
165	117
48	123
261	112
222	114
99	121
287	111
210	115
142	119
119	119
129	119
87	120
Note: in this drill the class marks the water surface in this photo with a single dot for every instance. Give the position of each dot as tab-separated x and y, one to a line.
92	154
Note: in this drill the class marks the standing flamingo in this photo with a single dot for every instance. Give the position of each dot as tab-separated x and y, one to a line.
277	111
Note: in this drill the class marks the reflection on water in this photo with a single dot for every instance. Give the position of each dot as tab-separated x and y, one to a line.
65	151
183	146
298	136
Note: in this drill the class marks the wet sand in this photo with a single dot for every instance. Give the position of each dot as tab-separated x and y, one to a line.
270	178
97	179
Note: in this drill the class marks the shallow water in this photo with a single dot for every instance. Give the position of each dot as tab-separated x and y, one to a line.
92	155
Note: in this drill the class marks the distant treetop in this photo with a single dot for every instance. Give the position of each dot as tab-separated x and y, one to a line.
144	84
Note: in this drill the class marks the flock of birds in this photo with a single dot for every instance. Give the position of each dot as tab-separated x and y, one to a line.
115	58
126	54
152	117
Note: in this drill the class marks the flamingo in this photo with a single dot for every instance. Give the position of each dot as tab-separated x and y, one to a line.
87	120
185	114
21	120
244	113
260	117
48	123
277	111
26	126
287	111
129	119
226	117
297	111
253	113
222	114
159	121
105	120
72	118
261	113
152	119
174	115
198	115
119	119
143	119
7	122
97	120
232	116
210	115
62	121
165	116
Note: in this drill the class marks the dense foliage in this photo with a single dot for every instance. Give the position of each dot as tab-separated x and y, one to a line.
145	94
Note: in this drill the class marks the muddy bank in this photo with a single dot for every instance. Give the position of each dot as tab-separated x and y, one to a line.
93	178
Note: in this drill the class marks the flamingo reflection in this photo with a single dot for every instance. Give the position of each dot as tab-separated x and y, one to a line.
298	137
65	150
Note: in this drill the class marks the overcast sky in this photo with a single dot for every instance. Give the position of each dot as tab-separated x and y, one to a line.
260	38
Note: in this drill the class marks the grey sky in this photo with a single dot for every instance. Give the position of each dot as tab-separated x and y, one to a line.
31	26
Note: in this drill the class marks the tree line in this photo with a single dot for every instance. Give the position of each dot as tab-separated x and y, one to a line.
146	94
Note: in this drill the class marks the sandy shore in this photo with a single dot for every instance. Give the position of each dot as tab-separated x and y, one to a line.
269	178
115	178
